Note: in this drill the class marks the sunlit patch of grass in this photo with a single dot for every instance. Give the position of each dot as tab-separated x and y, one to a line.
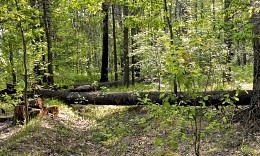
243	74
96	112
246	150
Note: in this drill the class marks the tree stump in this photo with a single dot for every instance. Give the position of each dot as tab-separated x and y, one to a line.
19	113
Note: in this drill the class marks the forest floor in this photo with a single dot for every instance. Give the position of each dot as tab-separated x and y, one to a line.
120	130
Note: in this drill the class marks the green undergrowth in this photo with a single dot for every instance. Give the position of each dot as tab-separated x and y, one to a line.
130	130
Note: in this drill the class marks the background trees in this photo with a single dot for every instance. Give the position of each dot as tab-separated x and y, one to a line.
180	44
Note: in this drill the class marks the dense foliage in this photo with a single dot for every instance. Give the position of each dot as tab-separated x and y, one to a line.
196	53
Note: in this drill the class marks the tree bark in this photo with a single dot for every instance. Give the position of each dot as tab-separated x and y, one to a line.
215	98
256	48
104	66
47	23
19	114
126	57
114	38
228	40
133	33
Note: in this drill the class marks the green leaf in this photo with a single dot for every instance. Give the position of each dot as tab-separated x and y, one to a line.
157	142
175	145
206	98
224	119
167	44
162	95
236	98
166	104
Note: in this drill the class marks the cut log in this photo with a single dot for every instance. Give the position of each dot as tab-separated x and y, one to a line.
19	113
5	118
84	88
213	98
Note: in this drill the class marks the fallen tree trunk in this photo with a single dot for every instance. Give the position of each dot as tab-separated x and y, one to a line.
10	89
5	118
214	98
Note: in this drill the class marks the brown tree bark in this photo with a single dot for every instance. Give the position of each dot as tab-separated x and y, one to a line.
256	47
47	23
104	66
126	57
114	38
19	114
215	98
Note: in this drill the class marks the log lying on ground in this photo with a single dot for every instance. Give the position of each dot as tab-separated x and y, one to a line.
95	87
214	98
10	89
5	118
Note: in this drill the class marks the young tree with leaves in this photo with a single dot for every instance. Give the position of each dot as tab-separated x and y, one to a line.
24	42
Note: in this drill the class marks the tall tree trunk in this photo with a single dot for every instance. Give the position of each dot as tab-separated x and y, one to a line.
256	46
76	28
25	67
126	57
114	37
133	32
47	23
171	36
134	66
228	39
244	58
104	66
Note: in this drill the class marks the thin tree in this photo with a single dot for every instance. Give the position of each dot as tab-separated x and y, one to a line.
11	60
114	38
25	66
133	33
171	37
126	57
228	39
104	66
